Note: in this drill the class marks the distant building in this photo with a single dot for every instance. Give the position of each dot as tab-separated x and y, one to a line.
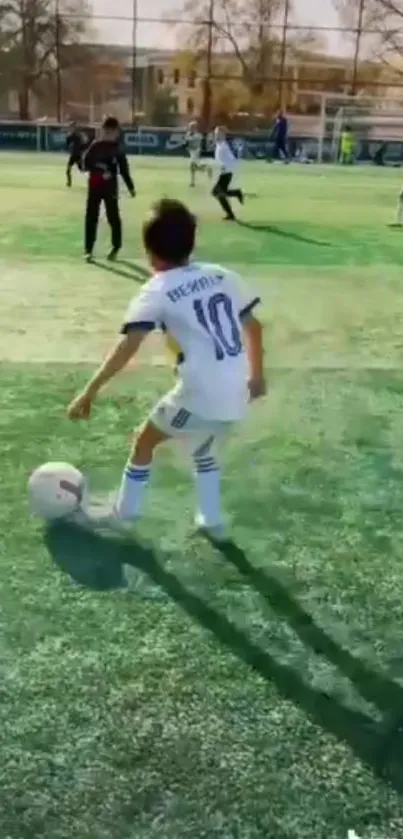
170	85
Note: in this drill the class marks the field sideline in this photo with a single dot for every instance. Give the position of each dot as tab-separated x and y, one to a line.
161	689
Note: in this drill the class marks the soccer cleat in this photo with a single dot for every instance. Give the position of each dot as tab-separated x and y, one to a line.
106	518
113	255
229	218
214	532
89	258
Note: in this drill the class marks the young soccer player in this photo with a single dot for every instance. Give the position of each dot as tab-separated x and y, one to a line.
209	314
104	159
76	143
194	142
227	163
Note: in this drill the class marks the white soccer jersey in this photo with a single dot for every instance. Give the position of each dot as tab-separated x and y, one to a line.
194	143
201	307
225	158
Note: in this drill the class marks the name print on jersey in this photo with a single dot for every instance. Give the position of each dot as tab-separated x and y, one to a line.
194	287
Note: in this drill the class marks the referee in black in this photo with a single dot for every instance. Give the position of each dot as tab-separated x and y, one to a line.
104	160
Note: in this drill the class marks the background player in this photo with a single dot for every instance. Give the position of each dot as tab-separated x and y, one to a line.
76	143
194	142
280	137
209	314
227	163
104	159
347	146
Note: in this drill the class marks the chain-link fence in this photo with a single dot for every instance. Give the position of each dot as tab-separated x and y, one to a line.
155	64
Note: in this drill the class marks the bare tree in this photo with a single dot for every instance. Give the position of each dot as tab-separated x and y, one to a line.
377	29
242	46
32	34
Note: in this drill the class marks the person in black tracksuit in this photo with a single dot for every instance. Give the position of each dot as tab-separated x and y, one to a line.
279	135
76	143
104	160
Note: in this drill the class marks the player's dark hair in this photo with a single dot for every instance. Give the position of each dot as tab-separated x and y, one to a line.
169	232
111	124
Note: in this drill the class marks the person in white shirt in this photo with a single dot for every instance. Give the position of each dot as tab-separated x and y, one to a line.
194	142
208	313
227	163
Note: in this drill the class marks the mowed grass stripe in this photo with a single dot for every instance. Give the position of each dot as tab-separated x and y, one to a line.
67	312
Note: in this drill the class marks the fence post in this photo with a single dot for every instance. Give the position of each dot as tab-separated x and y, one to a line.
357	46
59	93
283	53
134	62
207	92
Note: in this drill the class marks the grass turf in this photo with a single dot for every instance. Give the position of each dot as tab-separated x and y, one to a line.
163	689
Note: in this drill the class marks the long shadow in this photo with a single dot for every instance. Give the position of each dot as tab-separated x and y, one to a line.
378	745
113	268
374	687
136	268
277	231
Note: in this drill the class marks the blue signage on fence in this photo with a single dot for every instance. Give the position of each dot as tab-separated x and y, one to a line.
19	136
170	141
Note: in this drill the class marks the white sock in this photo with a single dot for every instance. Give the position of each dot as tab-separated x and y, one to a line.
131	493
207	477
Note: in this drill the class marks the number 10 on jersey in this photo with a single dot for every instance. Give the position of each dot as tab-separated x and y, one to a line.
216	316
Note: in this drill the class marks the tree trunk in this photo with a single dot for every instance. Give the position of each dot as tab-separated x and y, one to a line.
23	103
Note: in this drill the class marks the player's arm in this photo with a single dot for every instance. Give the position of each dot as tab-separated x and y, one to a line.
274	129
253	337
89	157
115	361
124	170
142	318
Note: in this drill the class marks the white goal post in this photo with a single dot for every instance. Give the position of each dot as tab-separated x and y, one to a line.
372	119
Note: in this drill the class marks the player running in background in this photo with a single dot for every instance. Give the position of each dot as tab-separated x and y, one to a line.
227	163
104	159
76	143
194	142
209	313
280	137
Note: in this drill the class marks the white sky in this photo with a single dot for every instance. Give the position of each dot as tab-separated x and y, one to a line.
307	12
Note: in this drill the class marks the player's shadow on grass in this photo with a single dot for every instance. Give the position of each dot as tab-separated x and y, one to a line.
132	272
99	563
137	269
277	231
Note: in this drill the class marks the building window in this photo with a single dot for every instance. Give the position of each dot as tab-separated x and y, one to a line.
160	76
190	105
177	76
192	79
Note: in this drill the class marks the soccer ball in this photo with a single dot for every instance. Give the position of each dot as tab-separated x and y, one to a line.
56	490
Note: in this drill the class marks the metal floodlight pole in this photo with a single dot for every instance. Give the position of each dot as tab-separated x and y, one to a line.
134	62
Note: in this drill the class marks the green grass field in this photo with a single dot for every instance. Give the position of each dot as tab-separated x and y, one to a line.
162	689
